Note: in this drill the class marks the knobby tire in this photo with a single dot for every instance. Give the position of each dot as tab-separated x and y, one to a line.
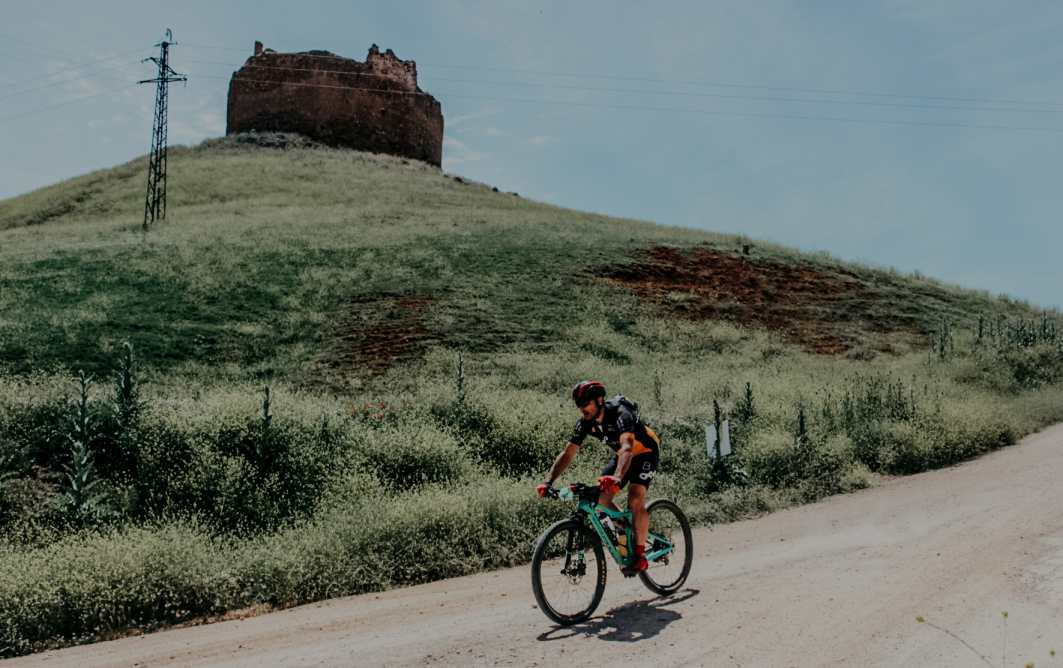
647	576
590	542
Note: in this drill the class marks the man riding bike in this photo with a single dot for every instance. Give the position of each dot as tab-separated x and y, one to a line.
635	455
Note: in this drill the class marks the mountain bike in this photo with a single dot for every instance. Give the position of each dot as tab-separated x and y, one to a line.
568	563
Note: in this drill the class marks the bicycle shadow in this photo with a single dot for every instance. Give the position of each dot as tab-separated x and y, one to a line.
630	622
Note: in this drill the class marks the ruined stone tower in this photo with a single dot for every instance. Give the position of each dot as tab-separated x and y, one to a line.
371	106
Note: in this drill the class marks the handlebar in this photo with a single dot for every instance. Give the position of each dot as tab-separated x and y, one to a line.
575	490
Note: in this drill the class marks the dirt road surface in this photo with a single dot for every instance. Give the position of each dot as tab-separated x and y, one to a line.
837	583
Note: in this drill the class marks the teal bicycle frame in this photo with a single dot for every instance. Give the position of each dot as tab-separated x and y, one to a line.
657	546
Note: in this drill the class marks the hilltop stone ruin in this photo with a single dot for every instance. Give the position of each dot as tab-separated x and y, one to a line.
372	106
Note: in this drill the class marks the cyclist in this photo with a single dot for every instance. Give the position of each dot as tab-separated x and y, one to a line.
635	455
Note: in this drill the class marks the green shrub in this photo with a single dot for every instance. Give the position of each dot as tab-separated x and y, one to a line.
873	444
454	531
1033	367
822	464
239	476
500	442
956	441
88	584
324	498
932	443
1013	369
32	500
363	541
769	458
409	456
37	430
816	465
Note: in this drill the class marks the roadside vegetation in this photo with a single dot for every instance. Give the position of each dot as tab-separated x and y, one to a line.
330	373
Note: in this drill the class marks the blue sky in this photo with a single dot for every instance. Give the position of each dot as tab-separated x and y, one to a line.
916	134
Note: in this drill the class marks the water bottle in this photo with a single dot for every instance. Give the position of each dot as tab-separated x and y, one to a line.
621	541
610	528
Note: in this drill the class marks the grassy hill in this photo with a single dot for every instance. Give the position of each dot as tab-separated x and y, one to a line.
350	285
273	263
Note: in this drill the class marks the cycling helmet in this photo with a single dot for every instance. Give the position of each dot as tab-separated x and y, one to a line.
586	390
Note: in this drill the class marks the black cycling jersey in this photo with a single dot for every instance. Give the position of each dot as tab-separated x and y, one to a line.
620	417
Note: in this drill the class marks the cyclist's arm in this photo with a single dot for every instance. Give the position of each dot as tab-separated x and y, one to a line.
562	462
623	455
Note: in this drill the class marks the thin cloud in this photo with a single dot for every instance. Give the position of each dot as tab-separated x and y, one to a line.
83	87
195	126
458	152
458	121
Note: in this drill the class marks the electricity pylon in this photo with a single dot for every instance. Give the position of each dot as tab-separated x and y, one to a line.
155	202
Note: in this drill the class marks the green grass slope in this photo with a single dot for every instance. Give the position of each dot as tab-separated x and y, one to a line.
273	262
418	335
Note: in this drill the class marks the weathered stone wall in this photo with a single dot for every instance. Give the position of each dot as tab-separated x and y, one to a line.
371	106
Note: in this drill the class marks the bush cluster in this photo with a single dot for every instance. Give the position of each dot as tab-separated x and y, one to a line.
1014	369
414	453
240	476
499	440
90	583
216	502
237	474
816	465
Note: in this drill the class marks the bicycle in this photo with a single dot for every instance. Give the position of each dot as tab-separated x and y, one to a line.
570	554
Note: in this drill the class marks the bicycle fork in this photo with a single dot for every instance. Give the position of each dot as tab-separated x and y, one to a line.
574	548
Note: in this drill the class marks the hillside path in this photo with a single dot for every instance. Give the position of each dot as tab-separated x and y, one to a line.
836	583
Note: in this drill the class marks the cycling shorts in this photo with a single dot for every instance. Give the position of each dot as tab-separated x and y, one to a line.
640	471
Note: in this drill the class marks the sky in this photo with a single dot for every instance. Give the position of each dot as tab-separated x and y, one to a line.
917	134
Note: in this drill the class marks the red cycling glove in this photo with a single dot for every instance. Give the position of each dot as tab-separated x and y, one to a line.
609	484
541	489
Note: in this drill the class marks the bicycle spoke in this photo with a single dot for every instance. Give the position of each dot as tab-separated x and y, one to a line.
569	573
668	548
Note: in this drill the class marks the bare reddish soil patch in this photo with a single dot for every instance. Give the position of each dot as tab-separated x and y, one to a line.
821	311
379	331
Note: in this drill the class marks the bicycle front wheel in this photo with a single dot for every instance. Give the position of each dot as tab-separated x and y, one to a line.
669	548
568	572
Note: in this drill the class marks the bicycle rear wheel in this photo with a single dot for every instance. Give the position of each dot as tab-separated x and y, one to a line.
669	548
568	572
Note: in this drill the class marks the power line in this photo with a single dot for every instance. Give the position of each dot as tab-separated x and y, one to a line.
219	48
642	91
719	84
765	98
65	103
689	82
704	83
18	58
91	63
62	82
807	117
634	107
32	45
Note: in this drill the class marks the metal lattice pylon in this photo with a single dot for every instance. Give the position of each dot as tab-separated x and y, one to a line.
155	201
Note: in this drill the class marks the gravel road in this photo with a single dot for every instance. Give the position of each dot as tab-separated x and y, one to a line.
836	583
